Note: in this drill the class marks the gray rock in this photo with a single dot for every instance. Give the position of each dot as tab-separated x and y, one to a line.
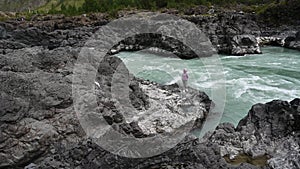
222	28
31	166
2	32
245	44
293	41
157	108
286	155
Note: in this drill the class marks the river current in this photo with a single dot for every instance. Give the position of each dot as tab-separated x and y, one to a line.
249	79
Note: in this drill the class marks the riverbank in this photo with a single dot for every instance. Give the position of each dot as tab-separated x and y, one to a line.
38	110
231	33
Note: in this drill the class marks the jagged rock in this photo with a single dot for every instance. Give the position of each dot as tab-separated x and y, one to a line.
7	45
168	45
286	155
158	108
36	106
31	166
293	42
59	38
59	31
245	44
260	115
2	32
267	130
40	114
222	28
274	41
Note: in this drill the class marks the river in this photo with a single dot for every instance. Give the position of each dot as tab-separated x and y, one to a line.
249	79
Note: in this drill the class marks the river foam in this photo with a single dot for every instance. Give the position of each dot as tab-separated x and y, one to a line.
250	79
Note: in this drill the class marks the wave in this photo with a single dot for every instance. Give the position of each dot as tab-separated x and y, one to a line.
232	57
249	79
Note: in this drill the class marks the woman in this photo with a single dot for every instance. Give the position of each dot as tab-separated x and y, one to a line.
184	78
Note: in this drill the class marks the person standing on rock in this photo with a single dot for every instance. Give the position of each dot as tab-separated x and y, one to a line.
184	78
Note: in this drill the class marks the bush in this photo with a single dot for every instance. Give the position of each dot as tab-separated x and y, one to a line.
113	6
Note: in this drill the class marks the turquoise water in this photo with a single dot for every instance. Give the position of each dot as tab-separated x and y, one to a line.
250	79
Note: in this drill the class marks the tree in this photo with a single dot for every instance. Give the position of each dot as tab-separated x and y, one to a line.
63	7
90	6
171	4
71	10
53	9
161	3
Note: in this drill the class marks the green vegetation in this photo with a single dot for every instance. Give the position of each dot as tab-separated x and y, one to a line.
86	6
56	4
284	12
269	10
75	7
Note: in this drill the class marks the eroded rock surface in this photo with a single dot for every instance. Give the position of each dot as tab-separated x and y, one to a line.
269	129
225	31
38	121
40	128
293	41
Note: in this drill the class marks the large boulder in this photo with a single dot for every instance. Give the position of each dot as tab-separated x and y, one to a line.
222	28
293	42
244	44
270	132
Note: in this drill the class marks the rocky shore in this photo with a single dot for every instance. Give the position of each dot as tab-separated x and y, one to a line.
39	127
37	110
233	33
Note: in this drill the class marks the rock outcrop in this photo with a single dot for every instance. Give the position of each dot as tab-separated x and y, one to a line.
230	33
37	111
293	41
33	36
269	131
245	44
155	108
39	127
222	29
156	42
